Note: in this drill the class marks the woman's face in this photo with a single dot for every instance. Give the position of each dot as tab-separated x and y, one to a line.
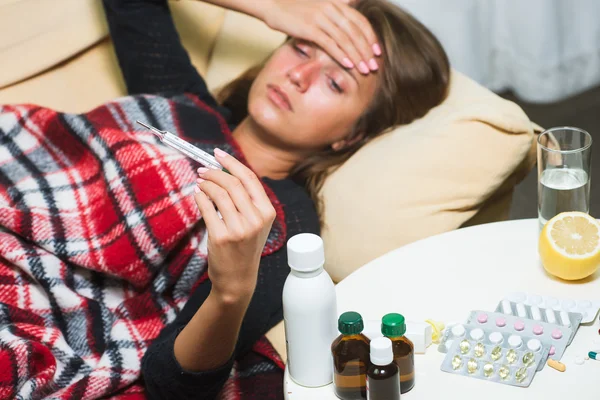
305	101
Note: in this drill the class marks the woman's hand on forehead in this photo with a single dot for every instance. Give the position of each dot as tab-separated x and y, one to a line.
334	25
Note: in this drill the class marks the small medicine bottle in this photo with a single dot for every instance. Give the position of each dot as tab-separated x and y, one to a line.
350	353
383	382
393	326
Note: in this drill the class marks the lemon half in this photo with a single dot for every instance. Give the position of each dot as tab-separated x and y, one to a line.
569	245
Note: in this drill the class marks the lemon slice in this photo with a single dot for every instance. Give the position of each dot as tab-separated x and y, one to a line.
569	245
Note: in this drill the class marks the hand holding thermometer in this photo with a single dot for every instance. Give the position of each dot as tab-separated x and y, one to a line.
185	148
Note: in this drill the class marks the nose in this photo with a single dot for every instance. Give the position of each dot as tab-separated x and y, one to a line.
303	74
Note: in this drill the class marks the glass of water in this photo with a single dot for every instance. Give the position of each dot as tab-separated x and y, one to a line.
564	161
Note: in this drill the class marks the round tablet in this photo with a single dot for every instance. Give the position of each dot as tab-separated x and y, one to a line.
482	318
552	351
584	304
538	330
579	360
515	341
477	334
534	299
519	326
501	322
556	334
568	304
517	297
496	337
458	330
551	302
534	345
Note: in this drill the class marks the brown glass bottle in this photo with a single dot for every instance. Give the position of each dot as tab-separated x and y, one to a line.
393	326
350	353
383	381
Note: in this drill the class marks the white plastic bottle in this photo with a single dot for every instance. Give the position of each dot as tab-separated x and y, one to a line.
309	312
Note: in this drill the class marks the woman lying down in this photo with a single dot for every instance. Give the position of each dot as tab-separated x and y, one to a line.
117	275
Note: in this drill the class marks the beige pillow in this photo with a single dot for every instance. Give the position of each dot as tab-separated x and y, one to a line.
425	178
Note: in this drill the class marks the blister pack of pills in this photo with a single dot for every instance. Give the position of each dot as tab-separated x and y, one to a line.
587	308
487	354
553	335
565	319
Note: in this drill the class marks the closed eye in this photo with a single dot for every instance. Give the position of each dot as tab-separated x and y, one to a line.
335	87
300	51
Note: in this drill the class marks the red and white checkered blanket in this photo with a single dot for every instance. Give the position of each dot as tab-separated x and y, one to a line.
98	244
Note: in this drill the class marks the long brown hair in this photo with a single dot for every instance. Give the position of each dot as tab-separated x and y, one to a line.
414	78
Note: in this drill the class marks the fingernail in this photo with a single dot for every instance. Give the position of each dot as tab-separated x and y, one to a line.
199	180
196	189
373	64
376	49
347	63
362	67
220	153
202	170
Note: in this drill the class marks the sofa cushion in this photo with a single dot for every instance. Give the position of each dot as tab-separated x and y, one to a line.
64	60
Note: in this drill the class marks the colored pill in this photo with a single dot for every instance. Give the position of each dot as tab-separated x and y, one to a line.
504	372
519	326
538	330
496	337
550	318
552	351
472	366
521	374
528	359
511	356
501	322
564	318
521	311
557	365
482	318
593	355
464	346
535	313
456	362
556	334
506	308
479	350
476	334
488	370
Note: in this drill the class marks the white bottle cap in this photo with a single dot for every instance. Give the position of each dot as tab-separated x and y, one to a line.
381	351
305	252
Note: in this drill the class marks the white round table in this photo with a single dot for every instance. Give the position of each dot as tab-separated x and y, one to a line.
446	276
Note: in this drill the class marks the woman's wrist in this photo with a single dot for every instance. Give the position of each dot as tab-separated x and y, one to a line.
234	294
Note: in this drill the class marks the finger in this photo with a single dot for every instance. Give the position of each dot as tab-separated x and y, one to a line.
209	214
364	31
330	46
238	193
344	18
341	40
223	201
248	178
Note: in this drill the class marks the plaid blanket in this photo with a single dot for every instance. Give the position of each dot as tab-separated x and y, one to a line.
99	247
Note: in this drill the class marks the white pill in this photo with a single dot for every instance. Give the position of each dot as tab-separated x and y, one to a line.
535	300
567	304
584	304
564	318
517	297
515	341
550	317
551	302
458	330
477	334
521	312
535	313
506	307
534	345
579	360
496	337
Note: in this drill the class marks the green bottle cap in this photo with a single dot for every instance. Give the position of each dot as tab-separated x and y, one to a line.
393	325
350	323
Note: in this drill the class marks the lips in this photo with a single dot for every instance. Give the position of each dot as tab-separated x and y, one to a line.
279	97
